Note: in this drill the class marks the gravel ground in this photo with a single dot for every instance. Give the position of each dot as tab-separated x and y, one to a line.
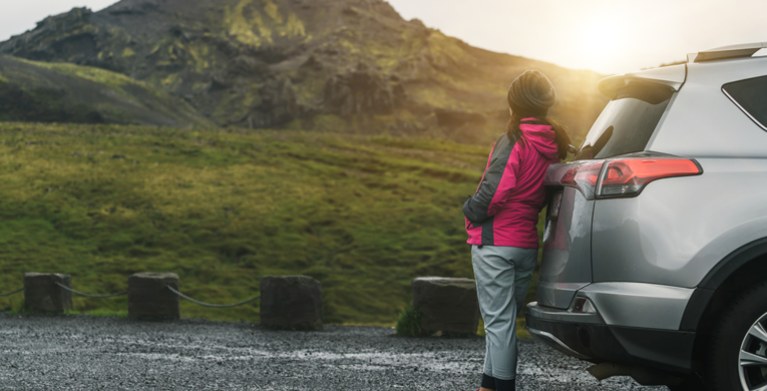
82	353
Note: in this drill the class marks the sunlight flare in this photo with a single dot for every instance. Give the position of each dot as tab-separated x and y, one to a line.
601	42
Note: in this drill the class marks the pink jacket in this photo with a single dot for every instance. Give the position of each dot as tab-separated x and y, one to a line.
504	210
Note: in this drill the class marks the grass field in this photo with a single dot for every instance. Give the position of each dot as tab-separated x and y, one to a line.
362	214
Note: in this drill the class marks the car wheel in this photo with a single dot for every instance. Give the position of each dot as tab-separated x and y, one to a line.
739	348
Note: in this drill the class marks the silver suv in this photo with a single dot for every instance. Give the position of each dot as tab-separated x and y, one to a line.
655	248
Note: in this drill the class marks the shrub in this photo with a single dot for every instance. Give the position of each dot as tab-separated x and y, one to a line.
409	323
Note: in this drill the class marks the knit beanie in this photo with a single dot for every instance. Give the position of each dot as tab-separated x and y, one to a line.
531	93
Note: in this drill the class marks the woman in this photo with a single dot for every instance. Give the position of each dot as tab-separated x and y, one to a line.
501	220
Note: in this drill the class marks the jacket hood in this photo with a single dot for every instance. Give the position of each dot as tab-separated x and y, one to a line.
542	138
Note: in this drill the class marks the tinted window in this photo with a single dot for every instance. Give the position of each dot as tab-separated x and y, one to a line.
627	122
751	96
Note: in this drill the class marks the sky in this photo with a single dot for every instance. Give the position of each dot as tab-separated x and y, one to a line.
609	36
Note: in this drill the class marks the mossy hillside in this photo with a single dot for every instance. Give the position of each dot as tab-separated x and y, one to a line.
268	63
255	23
51	92
362	214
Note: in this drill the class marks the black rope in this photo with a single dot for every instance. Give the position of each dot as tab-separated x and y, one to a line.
92	296
12	293
204	304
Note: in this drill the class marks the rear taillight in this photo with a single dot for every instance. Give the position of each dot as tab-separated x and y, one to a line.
626	177
583	176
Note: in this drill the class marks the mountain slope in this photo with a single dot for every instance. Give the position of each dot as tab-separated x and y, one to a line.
50	92
300	63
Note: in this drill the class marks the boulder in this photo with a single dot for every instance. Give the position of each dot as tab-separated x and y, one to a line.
291	303
446	305
149	297
43	294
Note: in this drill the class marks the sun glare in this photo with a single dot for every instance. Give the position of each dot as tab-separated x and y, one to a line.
601	44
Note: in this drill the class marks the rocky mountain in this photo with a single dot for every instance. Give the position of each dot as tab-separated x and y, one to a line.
61	92
332	64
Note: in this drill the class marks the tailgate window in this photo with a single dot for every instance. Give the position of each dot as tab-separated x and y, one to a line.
751	96
627	122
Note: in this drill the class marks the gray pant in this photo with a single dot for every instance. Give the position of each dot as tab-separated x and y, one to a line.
503	276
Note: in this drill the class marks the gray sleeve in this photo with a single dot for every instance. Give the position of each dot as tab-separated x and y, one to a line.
476	207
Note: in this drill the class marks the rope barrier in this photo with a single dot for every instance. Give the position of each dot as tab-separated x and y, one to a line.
12	293
204	304
89	295
105	296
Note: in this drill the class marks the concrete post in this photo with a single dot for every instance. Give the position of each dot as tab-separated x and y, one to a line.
446	305
41	294
291	303
149	297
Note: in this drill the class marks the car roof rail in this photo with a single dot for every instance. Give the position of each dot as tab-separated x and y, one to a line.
727	52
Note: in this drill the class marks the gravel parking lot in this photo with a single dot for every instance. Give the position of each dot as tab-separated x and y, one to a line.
82	353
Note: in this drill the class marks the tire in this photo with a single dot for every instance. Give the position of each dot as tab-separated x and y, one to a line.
741	330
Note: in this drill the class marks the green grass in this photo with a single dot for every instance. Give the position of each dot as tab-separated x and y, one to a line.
362	214
409	323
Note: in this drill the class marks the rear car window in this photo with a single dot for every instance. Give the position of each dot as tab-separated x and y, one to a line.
751	96
627	122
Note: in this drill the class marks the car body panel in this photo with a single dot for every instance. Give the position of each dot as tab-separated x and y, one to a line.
712	215
566	238
630	304
718	128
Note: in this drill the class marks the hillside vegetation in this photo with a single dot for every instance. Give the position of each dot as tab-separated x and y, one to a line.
331	191
362	214
340	65
62	92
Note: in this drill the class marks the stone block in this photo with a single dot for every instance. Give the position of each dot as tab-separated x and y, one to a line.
446	305
43	295
149	297
291	303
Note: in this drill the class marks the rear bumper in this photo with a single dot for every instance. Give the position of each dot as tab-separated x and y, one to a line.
588	337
